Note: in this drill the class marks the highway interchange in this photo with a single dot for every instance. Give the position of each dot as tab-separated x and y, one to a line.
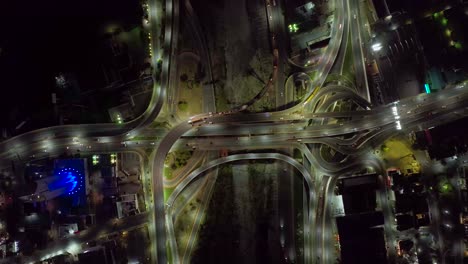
236	130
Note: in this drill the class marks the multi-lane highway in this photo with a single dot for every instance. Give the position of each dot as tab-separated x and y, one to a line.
254	156
357	28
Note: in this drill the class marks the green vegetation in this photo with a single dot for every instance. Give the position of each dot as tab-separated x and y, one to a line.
300	90
144	138
221	225
221	101
189	90
174	160
181	157
262	64
185	220
312	75
265	104
168	253
297	154
167	193
445	187
220	235
384	148
167	173
326	152
141	200
245	85
343	79
439	16
348	63
397	152
238	94
183	106
190	82
160	124
347	77
178	158
148	151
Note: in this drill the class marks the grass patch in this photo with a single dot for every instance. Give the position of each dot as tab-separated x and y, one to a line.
190	92
141	201
325	153
159	124
313	75
221	101
183	106
168	192
348	63
167	173
168	253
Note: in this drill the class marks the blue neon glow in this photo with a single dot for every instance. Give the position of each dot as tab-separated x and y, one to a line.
428	89
68	179
71	179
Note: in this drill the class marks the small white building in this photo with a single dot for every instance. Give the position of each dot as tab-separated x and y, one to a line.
127	206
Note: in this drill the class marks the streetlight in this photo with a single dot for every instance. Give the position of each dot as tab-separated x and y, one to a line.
293	28
113	158
376	46
95	159
119	119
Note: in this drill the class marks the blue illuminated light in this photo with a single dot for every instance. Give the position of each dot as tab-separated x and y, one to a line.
428	89
68	179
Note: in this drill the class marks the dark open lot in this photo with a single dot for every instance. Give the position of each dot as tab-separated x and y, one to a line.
40	39
361	242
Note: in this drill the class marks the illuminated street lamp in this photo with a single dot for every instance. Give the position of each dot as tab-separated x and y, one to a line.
448	32
95	159
293	28
113	158
119	119
444	21
377	46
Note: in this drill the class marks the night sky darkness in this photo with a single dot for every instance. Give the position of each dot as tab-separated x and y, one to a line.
39	39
